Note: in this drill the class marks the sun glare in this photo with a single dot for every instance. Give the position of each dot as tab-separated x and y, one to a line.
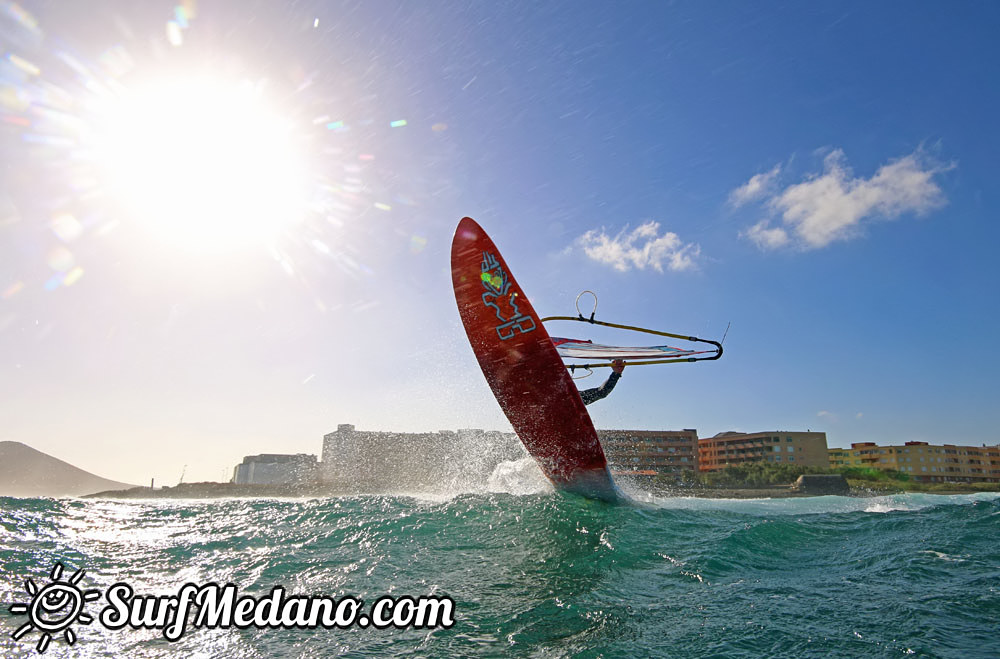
205	163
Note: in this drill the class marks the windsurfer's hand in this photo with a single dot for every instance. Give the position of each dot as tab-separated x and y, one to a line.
618	366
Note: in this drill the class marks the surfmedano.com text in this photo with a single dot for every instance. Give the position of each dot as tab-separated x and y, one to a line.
211	606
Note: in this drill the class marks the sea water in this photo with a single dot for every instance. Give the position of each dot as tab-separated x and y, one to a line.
536	574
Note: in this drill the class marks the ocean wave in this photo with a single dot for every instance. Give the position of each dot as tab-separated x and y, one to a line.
541	572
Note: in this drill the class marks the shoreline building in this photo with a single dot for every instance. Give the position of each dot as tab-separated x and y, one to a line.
649	453
924	462
803	449
275	469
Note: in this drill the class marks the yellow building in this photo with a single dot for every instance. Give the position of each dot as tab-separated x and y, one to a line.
925	462
804	449
647	453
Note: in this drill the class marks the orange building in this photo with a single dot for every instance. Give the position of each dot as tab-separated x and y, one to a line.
805	449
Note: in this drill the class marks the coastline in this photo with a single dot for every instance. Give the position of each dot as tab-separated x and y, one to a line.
210	490
788	493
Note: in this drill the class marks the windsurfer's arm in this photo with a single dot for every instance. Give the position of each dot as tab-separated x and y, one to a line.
597	393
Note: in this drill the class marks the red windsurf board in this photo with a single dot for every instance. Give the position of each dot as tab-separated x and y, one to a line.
524	369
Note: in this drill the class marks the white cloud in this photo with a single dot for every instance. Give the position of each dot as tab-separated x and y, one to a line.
641	248
767	237
832	206
757	187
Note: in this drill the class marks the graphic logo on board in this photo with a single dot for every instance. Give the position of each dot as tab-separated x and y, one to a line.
502	300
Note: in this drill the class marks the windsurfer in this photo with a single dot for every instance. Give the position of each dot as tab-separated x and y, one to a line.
597	393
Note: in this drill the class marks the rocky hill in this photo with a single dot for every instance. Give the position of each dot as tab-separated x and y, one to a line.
25	472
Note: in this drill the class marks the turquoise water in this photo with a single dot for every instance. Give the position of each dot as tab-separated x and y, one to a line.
539	575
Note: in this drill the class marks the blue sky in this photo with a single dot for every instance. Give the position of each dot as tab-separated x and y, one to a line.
822	177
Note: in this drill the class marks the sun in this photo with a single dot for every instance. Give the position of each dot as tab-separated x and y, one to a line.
204	162
54	608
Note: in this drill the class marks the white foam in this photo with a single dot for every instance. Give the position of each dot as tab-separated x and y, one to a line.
823	504
518	477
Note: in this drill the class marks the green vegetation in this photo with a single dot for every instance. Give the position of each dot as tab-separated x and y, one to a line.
753	475
871	474
758	475
888	480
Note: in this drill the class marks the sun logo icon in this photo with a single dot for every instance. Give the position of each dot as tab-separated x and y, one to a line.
54	607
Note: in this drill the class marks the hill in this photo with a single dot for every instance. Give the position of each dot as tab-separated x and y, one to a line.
25	472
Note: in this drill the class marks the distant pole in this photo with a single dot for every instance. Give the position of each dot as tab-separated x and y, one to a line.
151	481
